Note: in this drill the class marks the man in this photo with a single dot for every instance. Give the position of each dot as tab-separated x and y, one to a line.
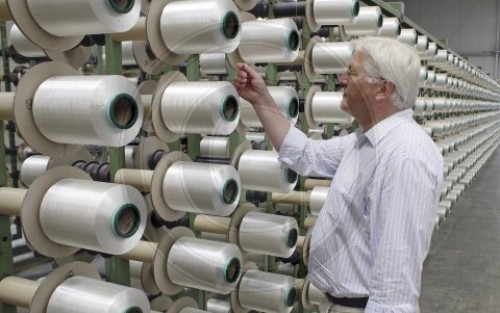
373	233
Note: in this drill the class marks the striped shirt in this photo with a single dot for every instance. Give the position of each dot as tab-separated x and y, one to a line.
374	230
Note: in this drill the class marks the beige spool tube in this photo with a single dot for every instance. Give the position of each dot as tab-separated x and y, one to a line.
309	222
367	23
310	183
7	105
4	12
12	200
300	242
17	291
144	251
201	26
261	170
137	32
293	197
269	41
212	224
140	179
338	12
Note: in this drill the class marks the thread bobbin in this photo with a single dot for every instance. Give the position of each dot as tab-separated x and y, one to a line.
165	285
159	126
162	209
31	29
41	296
308	61
145	58
234	300
30	211
155	39
23	102
308	106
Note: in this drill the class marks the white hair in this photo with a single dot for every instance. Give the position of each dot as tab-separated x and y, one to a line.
392	61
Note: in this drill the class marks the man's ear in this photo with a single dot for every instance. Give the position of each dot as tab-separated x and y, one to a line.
385	91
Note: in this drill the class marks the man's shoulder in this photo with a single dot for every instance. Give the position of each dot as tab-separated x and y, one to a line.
410	141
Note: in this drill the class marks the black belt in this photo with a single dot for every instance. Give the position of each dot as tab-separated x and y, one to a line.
357	303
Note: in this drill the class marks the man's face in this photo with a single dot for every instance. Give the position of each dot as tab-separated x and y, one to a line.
359	95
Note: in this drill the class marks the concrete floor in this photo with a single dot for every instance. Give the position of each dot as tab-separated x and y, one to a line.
462	271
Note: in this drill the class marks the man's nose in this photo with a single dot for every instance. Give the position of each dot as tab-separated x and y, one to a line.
342	79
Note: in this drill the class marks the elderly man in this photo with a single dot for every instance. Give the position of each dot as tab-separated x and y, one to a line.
373	233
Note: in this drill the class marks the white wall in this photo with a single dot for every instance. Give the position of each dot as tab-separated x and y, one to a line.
470	26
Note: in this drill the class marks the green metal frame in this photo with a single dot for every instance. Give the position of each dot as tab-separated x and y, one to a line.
193	150
6	252
117	269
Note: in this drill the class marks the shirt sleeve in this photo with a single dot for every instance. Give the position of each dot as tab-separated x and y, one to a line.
401	233
310	157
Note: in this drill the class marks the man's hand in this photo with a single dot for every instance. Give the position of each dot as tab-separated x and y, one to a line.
251	86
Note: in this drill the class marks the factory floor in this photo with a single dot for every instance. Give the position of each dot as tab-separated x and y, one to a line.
462	271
